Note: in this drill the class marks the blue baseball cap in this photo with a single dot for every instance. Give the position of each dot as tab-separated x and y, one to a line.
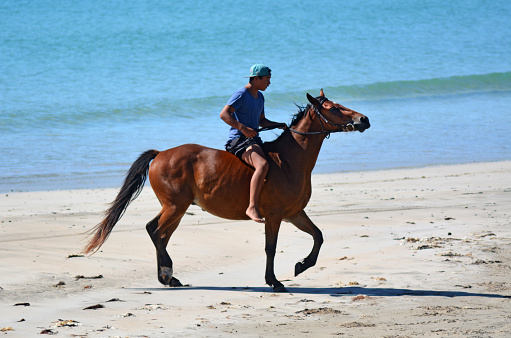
259	70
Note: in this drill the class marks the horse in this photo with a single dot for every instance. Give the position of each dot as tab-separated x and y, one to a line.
218	182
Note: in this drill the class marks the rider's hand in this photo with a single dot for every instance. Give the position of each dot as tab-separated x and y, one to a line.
248	132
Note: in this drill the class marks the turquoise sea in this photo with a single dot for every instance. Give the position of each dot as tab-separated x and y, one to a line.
86	86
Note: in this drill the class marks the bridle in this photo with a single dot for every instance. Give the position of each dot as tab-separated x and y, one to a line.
323	119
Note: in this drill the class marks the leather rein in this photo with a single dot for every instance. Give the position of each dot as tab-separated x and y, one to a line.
322	121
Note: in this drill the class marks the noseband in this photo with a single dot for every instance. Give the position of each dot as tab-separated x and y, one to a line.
323	119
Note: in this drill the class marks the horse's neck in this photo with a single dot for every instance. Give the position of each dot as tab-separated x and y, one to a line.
300	151
310	145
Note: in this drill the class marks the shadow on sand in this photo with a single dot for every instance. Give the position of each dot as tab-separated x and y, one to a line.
337	292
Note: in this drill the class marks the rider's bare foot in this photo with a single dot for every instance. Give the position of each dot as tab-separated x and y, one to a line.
254	214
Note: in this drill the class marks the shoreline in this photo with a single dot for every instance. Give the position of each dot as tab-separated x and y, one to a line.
100	181
421	251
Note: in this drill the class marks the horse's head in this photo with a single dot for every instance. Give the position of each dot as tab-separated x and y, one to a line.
336	116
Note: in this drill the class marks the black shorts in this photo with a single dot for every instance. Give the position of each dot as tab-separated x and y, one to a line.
239	145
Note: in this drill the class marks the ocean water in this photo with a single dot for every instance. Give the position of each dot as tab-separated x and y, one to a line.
86	86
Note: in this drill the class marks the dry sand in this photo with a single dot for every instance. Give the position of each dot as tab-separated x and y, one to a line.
411	252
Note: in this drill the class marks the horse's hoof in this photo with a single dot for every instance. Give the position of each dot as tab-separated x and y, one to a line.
174	282
299	268
280	288
165	275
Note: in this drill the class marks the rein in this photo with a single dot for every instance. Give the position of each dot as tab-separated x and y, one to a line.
323	119
268	128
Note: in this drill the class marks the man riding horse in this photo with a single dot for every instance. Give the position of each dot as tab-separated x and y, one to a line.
220	183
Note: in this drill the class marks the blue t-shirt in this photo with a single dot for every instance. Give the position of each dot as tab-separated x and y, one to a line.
247	110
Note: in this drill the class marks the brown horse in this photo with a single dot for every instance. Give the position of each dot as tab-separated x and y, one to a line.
218	182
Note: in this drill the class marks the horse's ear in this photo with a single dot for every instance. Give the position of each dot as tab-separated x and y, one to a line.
312	100
321	92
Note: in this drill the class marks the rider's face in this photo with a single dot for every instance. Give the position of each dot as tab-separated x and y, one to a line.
263	83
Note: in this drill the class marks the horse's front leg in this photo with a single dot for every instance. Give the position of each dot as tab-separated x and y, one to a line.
302	222
272	227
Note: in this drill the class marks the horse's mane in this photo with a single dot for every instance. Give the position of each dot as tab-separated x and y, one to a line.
299	114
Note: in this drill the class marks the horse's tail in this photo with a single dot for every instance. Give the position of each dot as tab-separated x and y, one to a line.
132	187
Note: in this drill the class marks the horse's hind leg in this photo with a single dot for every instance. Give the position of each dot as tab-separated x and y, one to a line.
160	229
302	222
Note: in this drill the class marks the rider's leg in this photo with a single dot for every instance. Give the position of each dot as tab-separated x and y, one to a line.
254	156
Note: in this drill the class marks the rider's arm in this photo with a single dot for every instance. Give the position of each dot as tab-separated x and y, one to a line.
226	116
264	122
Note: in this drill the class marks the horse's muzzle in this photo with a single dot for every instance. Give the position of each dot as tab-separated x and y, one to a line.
362	124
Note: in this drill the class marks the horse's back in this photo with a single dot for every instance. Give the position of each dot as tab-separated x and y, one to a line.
196	159
213	179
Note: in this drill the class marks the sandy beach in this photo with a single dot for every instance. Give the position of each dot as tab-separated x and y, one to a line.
407	252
